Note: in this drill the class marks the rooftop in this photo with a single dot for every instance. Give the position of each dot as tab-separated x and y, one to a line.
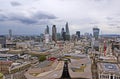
78	68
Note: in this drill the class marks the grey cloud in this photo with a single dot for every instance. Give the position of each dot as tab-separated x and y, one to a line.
22	19
14	3
3	17
1	10
34	18
109	18
118	27
112	24
41	15
100	0
94	22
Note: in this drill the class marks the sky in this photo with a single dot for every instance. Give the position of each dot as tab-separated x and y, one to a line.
32	16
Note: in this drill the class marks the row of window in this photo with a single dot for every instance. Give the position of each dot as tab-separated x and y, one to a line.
109	77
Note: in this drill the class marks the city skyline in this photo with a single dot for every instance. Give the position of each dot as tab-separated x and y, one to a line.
81	15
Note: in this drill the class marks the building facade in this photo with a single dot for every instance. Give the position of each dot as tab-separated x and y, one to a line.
67	32
3	41
96	33
108	71
54	33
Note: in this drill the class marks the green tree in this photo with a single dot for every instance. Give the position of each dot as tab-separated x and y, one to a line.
42	57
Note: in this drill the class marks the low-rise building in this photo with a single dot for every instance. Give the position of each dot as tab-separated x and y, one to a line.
79	67
108	70
4	66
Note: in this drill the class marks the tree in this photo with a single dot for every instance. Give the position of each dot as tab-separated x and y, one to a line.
42	57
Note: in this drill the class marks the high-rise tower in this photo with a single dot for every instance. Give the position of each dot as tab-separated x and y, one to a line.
47	36
78	34
67	32
54	33
10	34
63	34
96	33
47	29
2	41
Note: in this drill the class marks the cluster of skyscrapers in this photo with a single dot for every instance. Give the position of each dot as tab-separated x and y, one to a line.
64	35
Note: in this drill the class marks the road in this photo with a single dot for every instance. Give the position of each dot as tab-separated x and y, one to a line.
65	74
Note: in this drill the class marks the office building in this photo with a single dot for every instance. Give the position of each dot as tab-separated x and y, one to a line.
67	32
62	30
58	36
78	34
63	34
3	41
10	34
54	33
96	33
46	35
47	29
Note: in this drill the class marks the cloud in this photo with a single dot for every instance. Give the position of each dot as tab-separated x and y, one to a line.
14	3
1	10
41	15
109	18
3	17
118	27
33	18
23	19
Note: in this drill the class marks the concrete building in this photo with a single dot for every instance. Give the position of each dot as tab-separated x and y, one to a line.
47	38
46	71
80	66
108	70
4	66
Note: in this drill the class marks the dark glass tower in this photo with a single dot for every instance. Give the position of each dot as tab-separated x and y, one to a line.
96	33
47	29
63	34
10	34
78	34
54	33
67	32
3	41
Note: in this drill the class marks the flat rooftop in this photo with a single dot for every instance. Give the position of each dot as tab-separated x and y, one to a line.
78	68
52	72
109	67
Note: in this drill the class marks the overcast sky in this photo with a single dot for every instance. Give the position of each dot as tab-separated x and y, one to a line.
32	16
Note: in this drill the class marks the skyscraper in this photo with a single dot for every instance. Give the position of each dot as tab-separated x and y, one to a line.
46	35
96	33
54	33
3	41
62	30
78	34
63	34
67	32
10	34
47	29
